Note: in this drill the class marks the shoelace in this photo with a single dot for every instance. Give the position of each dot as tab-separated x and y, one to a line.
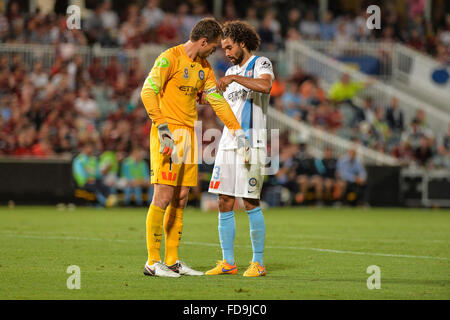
182	264
163	267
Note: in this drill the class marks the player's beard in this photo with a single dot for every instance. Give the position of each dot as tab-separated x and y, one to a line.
238	59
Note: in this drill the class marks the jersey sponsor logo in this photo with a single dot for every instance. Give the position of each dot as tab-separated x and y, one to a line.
201	74
241	94
211	90
186	73
168	176
252	182
214	184
163	62
188	90
266	65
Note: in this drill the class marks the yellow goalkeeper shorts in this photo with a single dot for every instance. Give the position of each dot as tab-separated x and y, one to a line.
180	169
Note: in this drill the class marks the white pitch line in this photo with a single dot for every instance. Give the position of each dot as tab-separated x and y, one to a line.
244	246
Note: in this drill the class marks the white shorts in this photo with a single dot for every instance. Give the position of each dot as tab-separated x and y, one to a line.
232	177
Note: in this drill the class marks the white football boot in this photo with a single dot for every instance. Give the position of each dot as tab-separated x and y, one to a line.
182	268
159	269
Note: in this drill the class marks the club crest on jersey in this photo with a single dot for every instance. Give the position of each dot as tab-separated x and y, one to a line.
249	73
201	74
186	73
252	182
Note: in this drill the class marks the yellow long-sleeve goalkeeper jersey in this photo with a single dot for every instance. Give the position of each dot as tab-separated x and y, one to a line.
170	90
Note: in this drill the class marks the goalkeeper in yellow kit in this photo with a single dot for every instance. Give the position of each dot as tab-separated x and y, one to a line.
169	96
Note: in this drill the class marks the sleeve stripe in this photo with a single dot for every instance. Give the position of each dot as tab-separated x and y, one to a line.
215	95
155	88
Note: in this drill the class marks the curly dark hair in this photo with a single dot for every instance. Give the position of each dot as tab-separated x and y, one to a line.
240	31
207	28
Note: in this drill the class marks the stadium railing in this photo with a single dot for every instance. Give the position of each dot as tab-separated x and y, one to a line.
329	71
48	54
412	71
383	51
404	68
318	139
146	54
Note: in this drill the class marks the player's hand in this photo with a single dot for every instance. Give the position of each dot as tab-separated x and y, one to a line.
165	139
223	82
201	98
243	145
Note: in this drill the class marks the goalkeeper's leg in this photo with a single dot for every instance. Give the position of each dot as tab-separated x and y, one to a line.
154	224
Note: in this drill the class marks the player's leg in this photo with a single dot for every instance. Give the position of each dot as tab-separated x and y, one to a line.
254	177
154	225
227	232
257	236
173	224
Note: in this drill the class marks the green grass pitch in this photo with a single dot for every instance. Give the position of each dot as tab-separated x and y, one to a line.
311	253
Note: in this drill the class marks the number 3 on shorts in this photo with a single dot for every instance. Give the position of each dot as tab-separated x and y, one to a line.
216	173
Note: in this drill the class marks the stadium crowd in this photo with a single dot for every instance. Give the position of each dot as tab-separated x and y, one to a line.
169	23
96	108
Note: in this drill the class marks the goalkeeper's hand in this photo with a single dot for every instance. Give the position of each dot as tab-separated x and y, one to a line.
243	145
165	139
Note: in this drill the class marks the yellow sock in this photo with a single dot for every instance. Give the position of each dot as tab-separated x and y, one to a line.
154	224
173	227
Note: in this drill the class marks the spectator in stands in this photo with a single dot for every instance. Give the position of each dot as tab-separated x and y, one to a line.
404	153
326	169
269	31
366	113
414	135
292	22
327	27
167	32
135	172
251	17
96	70
442	159
86	107
345	90
424	153
309	27
278	87
352	177
305	169
152	14
381	126
394	117
109	166
39	77
446	140
87	175
291	101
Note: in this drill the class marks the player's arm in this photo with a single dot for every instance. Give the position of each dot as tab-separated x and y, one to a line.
261	84
156	80
219	104
224	112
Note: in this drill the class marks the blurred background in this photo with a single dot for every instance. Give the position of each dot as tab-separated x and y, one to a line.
363	114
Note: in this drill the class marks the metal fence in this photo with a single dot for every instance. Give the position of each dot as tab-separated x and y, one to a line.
30	53
412	72
319	139
329	70
383	51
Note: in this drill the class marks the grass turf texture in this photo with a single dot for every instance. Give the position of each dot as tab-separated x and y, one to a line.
310	254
